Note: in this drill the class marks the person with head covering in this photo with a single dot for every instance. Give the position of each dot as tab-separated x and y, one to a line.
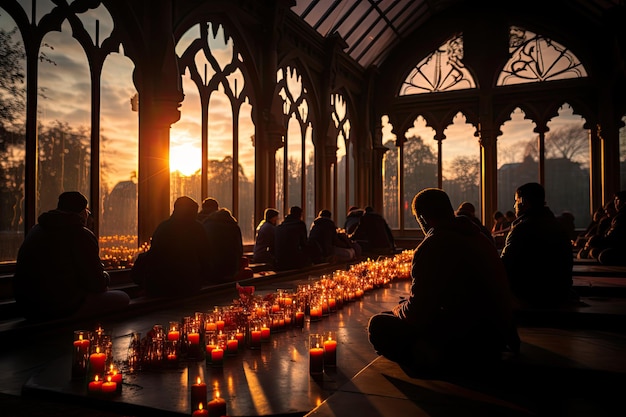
225	251
263	251
460	309
291	246
177	263
59	272
537	252
352	219
373	233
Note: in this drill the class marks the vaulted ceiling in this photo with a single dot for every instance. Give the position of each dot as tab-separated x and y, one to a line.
371	28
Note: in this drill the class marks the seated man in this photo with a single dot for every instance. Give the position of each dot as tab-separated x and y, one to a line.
609	247
264	242
177	263
537	252
373	233
225	246
324	236
59	272
460	308
291	245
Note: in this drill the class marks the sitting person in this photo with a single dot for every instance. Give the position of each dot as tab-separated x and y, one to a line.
209	206
225	246
59	272
537	253
499	229
324	235
610	247
177	263
352	219
468	209
264	242
291	246
604	223
373	233
460	309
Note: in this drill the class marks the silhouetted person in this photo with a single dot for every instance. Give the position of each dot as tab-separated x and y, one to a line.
59	272
352	219
538	253
209	206
324	235
568	222
468	209
225	246
373	233
459	311
265	233
499	229
291	242
610	246
177	263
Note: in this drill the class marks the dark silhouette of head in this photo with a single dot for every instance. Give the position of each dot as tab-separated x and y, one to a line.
269	214
295	211
210	205
185	207
72	201
325	213
431	207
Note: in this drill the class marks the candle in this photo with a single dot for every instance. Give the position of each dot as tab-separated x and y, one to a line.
198	394
316	313
97	361
217	357
255	339
219	324
232	346
210	327
240	338
95	385
80	356
316	360
200	412
193	338
217	406
173	335
299	318
265	333
109	386
330	352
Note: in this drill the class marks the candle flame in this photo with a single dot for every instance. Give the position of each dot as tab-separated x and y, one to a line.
199	380
200	406
96	378
109	379
217	394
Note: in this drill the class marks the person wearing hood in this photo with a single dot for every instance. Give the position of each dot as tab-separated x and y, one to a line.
460	309
177	263
324	236
225	251
537	252
59	272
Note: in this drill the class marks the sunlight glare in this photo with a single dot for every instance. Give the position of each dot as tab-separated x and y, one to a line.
186	159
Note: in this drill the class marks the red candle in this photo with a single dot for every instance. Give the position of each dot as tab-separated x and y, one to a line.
109	386
193	338
240	337
219	324
200	412
96	362
198	394
82	344
210	327
217	356
173	335
330	352
217	406
255	338
265	333
95	385
316	360
232	346
209	348
300	318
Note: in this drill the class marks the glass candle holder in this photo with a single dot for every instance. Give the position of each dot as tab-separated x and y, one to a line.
330	349
316	354
232	344
254	335
80	353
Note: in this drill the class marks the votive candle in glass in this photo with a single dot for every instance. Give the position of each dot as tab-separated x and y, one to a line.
316	354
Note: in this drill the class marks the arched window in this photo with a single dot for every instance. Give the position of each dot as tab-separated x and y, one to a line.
211	151
345	158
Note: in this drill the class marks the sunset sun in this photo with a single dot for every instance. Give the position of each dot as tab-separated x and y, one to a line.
186	159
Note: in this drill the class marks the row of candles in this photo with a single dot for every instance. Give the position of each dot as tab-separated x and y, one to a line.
225	331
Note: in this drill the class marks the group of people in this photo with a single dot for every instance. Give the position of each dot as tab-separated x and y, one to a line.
292	245
605	237
464	293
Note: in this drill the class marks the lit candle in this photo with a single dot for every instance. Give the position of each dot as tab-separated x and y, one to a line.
97	361
210	327
299	318
232	346
200	412
209	348
219	324
217	406
330	352
116	376
316	313
81	344
217	356
109	386
255	339
265	333
95	385
316	360
193	338
173	335
240	338
198	394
